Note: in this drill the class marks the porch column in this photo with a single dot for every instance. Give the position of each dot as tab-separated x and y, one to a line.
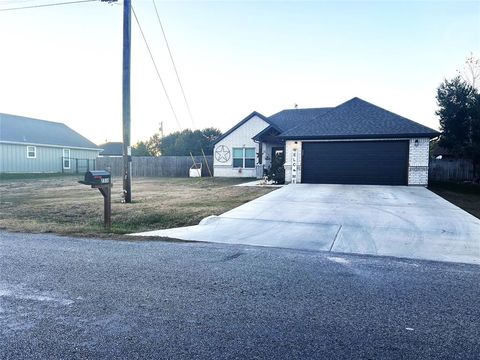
260	152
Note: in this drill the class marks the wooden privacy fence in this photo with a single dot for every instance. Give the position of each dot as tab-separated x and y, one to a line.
162	166
450	170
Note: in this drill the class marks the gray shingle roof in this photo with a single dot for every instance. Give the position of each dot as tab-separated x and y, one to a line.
287	119
280	121
357	118
267	120
112	148
21	129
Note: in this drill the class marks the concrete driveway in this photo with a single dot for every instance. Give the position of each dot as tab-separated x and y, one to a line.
400	221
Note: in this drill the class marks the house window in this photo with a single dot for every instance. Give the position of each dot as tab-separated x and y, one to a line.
31	152
66	158
244	158
237	157
249	157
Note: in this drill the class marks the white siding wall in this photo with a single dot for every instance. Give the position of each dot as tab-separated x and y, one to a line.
241	137
417	166
13	158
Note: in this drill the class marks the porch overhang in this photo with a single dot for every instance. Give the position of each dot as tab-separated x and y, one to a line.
269	135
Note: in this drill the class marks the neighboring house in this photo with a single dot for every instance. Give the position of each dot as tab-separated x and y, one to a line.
37	146
353	143
112	149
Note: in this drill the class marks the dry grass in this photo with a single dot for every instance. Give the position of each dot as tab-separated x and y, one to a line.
61	205
465	196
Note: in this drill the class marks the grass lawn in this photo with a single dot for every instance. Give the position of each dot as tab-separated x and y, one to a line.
61	205
465	196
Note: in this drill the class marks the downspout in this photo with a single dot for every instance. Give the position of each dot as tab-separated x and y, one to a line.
260	157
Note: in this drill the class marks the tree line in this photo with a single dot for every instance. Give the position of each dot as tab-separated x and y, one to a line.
179	143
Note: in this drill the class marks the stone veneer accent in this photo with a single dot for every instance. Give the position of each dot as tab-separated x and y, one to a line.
418	161
289	145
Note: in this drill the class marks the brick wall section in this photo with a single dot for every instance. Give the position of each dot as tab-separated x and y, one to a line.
289	145
418	161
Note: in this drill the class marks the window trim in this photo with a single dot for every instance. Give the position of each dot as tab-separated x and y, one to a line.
244	158
66	157
34	152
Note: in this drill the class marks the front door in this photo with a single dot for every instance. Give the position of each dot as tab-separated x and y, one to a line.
277	151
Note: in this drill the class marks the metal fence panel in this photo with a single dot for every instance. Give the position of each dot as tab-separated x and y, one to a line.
76	166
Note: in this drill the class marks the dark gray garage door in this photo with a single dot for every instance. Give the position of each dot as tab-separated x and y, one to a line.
355	162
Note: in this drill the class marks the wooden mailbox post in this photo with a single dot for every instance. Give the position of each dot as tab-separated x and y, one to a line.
101	180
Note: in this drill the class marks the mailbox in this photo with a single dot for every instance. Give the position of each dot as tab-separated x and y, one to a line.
96	178
101	180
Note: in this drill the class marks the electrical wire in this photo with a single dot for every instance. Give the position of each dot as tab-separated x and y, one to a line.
48	5
173	63
156	68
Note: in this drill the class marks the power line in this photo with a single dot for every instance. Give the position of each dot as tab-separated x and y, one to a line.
156	68
48	5
174	66
9	2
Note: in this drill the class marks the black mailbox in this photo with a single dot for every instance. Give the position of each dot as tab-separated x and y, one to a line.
96	178
101	180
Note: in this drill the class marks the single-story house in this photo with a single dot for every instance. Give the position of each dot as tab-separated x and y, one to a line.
353	143
112	149
37	146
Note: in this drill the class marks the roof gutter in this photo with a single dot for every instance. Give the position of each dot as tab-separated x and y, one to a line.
371	136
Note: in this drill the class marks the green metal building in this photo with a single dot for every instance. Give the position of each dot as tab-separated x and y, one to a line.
37	146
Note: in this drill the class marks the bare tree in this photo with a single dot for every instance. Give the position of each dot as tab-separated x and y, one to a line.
471	70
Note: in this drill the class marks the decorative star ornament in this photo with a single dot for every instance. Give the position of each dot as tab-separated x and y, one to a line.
222	153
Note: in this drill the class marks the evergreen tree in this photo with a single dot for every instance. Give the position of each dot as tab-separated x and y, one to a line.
140	149
459	112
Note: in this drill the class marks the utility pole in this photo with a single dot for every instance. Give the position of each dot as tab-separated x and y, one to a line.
161	129
127	152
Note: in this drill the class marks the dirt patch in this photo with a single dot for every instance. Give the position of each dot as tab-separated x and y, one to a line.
61	205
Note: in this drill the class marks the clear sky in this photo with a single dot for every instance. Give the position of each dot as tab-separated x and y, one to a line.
64	63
